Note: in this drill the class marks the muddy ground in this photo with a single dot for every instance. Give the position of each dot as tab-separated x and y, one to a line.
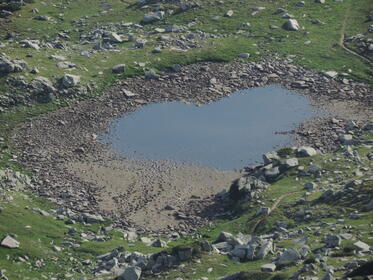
74	170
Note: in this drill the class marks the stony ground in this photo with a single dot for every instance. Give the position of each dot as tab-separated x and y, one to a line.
69	209
65	139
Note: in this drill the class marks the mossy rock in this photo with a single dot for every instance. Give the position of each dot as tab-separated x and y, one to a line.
285	152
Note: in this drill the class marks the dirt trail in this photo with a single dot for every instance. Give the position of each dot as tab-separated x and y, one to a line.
274	207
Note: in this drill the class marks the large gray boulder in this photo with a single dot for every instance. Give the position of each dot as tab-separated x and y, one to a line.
131	273
245	187
291	25
290	255
333	240
42	84
240	251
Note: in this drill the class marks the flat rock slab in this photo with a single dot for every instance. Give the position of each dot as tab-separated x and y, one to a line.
9	242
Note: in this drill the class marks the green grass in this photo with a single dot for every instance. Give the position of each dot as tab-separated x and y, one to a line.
37	234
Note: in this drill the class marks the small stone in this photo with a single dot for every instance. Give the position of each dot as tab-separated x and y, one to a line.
229	13
244	55
119	68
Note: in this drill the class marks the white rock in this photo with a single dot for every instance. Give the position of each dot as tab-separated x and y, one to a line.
269	267
331	74
130	236
115	38
10	242
361	246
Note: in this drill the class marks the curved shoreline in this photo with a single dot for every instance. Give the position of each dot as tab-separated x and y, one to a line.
68	135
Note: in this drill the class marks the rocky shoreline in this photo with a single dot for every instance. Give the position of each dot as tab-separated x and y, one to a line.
50	142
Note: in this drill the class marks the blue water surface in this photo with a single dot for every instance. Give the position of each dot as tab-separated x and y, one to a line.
228	134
